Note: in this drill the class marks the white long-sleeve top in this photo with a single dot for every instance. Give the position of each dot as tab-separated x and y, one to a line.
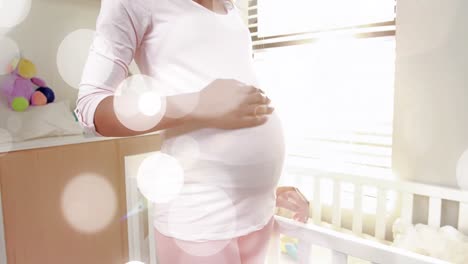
183	47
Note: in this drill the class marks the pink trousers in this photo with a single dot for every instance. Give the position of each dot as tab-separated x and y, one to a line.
249	249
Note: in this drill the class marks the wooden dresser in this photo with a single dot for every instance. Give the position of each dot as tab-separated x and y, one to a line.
42	212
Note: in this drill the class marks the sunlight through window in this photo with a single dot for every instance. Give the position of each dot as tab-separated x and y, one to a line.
317	15
333	90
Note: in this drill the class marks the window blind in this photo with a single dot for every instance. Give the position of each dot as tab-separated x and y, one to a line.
286	23
333	87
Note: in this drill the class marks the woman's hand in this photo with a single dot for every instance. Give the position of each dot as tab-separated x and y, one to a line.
230	104
293	200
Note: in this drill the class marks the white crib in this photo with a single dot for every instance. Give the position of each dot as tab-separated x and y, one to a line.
353	242
341	241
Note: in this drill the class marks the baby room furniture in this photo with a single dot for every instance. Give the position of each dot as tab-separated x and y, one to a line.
344	243
375	248
33	176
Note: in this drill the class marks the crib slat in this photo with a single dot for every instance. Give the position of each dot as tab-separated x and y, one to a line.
380	214
407	208
336	219
339	258
151	238
274	248
357	213
304	252
463	218
317	210
435	210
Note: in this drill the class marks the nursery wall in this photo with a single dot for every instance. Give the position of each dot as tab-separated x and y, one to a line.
47	24
431	93
41	33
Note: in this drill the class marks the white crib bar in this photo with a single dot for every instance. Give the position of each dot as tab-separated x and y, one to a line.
317	204
394	185
151	237
435	210
347	244
339	258
381	214
357	216
463	218
304	252
336	218
274	249
407	208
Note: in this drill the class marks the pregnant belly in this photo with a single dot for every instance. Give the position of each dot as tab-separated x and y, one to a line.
250	157
256	145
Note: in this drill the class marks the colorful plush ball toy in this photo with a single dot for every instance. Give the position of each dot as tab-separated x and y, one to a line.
289	246
21	88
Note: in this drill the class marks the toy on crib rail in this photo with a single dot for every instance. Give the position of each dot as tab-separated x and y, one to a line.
22	88
289	246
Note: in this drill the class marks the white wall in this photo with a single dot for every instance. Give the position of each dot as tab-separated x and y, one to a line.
243	5
40	35
431	109
431	95
48	23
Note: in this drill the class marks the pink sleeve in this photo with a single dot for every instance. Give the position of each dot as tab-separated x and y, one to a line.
120	28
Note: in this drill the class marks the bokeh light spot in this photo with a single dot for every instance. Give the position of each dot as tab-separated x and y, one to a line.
191	216
72	55
138	103
150	103
89	203
160	178
10	53
13	12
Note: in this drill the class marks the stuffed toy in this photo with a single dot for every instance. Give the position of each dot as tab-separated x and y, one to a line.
22	88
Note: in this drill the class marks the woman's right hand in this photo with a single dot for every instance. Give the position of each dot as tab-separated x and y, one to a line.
230	104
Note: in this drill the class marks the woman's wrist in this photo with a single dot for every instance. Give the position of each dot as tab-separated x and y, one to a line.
192	117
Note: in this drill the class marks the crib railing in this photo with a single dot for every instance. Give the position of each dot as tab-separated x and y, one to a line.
405	190
141	237
344	245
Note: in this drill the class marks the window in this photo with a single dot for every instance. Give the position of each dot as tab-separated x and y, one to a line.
331	79
298	16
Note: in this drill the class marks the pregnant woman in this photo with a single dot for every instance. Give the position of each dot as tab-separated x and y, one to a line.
199	53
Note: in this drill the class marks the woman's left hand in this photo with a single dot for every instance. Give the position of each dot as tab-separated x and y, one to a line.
293	200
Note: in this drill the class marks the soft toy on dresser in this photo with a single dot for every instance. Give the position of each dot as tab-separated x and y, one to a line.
21	88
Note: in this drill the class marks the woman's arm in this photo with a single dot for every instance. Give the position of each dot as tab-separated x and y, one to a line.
107	124
241	106
121	26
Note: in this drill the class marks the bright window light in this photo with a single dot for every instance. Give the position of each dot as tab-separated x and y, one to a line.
335	99
277	17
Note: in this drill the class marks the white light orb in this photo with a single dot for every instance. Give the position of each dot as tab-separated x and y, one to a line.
73	53
199	208
9	53
138	103
160	178
89	203
13	12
